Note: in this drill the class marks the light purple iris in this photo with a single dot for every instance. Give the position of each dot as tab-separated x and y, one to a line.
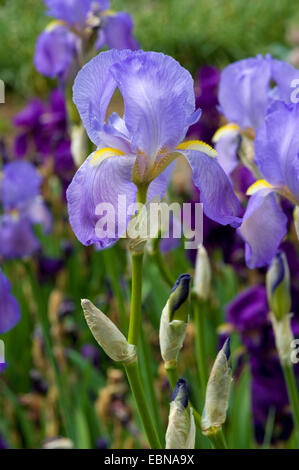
59	47
23	208
277	158
245	92
159	108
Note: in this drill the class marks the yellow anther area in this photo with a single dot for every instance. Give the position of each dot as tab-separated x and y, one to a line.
54	24
104	153
199	146
257	186
225	130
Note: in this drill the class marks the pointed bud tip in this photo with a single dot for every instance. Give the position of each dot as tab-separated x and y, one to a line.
226	348
181	392
184	280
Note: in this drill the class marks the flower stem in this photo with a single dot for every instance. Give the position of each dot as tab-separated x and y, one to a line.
199	311
160	262
293	396
217	439
136	298
138	392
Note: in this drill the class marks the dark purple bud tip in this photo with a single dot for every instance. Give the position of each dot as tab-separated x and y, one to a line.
226	348
181	392
179	293
279	263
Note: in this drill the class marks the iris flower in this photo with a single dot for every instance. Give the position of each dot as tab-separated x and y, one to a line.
60	46
23	208
245	92
276	156
141	147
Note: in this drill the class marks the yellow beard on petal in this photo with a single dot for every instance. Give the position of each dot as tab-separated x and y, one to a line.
104	153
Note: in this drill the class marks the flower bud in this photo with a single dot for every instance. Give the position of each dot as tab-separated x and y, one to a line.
180	432
174	321
217	393
108	335
202	274
278	286
78	144
296	220
283	337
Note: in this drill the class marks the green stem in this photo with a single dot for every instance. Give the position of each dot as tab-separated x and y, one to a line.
62	399
293	396
217	439
138	392
199	312
160	262
173	376
136	298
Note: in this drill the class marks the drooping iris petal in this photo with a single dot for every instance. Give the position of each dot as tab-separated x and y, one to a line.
93	89
29	116
263	228
157	115
20	184
55	51
117	32
216	192
74	12
243	91
277	146
17	239
9	308
96	184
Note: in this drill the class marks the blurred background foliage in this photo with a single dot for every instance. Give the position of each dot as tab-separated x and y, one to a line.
195	32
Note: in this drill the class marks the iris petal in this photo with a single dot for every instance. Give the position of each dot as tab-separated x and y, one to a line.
216	193
262	229
93	185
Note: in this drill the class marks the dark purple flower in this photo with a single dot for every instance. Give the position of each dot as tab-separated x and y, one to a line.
9	308
206	88
248	313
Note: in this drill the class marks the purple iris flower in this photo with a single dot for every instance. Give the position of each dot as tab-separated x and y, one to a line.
206	87
43	130
23	208
245	94
9	308
140	147
248	313
59	47
276	156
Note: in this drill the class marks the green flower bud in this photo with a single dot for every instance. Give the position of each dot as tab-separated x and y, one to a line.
174	321
217	393
283	337
296	220
278	286
180	432
202	274
108	335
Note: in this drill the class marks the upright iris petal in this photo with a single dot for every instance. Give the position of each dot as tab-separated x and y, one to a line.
277	148
74	12
140	147
9	308
14	193
243	91
117	32
55	51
